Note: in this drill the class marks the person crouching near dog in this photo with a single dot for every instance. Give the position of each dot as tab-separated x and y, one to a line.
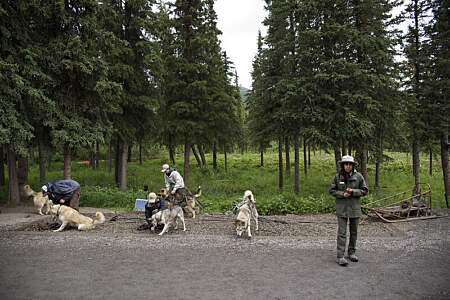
172	178
154	204
348	186
64	192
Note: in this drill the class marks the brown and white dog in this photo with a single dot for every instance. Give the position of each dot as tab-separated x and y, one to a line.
190	200
246	211
69	216
41	202
169	217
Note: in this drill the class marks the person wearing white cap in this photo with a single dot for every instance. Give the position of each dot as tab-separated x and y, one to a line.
154	204
347	187
172	178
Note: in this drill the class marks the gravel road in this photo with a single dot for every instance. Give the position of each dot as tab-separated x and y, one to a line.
291	257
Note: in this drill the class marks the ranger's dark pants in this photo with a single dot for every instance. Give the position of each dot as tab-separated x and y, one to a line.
342	235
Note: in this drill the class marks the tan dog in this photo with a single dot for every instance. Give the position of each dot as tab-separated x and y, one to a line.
169	217
246	211
40	202
69	216
189	203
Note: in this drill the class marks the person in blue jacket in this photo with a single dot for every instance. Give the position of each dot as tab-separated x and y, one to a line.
64	192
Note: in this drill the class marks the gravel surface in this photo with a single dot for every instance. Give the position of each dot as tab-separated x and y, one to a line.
290	257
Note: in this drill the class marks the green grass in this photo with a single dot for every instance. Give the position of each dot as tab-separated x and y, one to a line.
220	189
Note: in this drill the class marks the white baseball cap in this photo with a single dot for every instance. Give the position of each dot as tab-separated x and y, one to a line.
165	167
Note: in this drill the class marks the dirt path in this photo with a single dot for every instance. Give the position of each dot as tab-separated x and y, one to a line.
291	257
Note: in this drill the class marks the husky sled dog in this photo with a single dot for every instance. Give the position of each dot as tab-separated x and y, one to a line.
188	201
41	202
69	216
169	217
246	211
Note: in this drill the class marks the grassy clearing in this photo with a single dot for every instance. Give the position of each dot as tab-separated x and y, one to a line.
221	189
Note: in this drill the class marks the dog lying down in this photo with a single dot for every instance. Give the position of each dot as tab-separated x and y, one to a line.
169	217
69	216
246	211
40	202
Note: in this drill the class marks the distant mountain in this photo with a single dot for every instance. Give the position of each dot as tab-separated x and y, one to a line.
244	92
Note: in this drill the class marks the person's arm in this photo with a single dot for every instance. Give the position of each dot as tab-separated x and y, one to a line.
163	205
334	188
166	181
179	182
363	190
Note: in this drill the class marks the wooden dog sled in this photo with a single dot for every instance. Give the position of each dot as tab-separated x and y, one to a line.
401	207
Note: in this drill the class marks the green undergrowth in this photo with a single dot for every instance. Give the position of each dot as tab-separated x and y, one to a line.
220	189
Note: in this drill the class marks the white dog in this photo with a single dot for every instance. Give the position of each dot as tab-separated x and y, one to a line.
67	215
41	202
169	217
246	211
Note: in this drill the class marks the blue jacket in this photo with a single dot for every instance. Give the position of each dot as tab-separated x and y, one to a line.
63	189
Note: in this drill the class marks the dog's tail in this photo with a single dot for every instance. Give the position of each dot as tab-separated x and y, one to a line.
199	192
100	218
29	191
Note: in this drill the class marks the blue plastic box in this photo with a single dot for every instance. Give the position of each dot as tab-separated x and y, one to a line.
140	204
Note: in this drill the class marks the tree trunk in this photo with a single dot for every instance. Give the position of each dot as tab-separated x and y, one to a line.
31	150
97	156
286	151
379	160
140	153
187	154
261	158
123	167
416	161
225	158
172	155
41	156
22	176
214	156
2	167
343	148
118	161
202	155
364	156
280	163
129	150
109	157
431	162
296	166
305	162
309	155
67	163
92	159
337	157
13	196
445	166
197	158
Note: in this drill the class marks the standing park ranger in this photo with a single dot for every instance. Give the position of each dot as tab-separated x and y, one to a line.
348	186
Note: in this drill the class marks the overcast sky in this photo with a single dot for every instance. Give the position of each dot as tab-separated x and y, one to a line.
239	21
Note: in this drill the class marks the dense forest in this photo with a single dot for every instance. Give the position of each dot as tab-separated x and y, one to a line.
333	75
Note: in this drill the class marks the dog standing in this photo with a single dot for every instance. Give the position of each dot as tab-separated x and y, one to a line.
169	217
69	216
246	211
190	200
41	202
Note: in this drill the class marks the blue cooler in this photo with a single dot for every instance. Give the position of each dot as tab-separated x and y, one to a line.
140	204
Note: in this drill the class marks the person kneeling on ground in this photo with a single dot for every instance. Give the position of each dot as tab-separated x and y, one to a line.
64	192
154	205
348	186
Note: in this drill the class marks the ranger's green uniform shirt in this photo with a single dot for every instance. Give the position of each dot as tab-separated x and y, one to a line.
349	207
